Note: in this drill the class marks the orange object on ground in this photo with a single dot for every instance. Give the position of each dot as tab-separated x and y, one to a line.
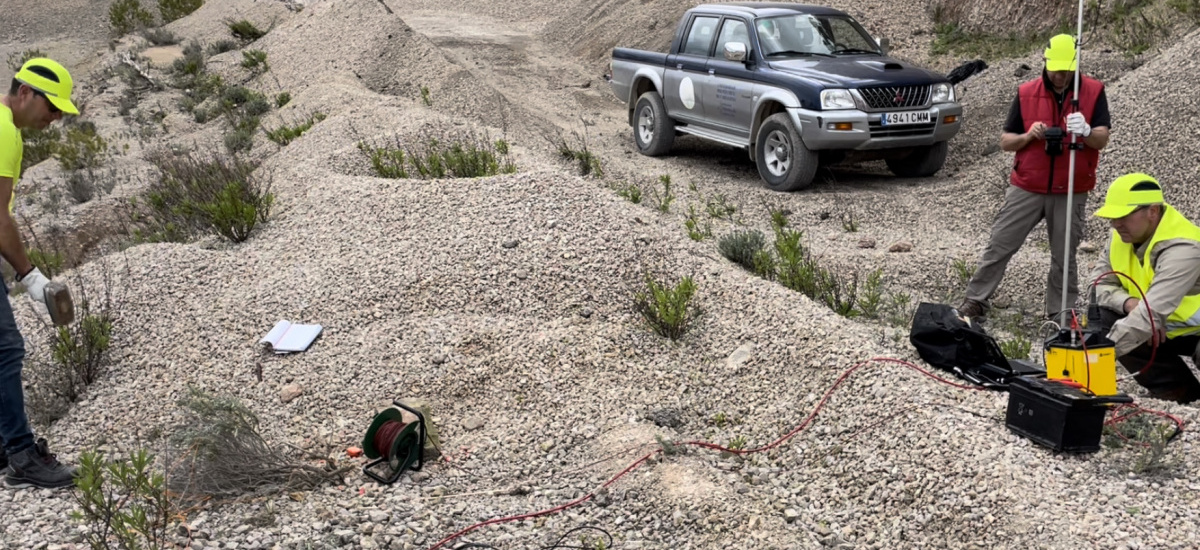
354	451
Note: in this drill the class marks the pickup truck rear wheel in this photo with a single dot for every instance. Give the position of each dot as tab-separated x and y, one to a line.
653	130
783	160
923	162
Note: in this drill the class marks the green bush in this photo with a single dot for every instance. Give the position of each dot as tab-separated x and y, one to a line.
255	61
16	60
667	309
443	156
159	36
81	148
175	9
245	30
39	145
1016	348
285	134
282	99
193	195
124	503
50	263
222	46
587	163
241	133
83	346
742	247
126	16
631	193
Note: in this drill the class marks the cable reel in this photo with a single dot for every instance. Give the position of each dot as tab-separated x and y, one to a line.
394	443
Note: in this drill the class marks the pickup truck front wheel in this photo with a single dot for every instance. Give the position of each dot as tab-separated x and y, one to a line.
783	160
653	130
923	162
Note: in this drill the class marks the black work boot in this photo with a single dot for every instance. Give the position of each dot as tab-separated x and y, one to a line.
38	467
972	309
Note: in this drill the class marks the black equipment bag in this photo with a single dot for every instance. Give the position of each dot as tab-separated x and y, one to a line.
949	343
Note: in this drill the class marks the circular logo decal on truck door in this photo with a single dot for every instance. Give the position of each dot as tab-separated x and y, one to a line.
687	93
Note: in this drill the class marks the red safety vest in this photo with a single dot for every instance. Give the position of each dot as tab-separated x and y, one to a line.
1034	170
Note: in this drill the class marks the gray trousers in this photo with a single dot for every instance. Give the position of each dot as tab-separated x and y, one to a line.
1022	211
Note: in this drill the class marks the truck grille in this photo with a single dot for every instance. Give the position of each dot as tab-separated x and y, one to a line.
913	130
895	97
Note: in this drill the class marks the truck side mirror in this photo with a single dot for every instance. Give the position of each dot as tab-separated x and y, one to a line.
885	45
735	51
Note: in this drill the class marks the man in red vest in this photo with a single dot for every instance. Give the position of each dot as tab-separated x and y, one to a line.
1038	123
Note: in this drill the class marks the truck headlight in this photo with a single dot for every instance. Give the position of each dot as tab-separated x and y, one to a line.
836	99
943	92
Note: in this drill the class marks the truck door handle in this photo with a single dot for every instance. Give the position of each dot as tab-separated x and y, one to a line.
679	65
711	71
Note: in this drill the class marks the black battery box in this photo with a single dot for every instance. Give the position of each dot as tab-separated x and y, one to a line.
1060	416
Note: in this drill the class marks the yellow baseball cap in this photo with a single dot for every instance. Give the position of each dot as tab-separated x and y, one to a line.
1127	193
1060	55
57	88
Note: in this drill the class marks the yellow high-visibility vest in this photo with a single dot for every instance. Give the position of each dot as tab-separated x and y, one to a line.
1186	318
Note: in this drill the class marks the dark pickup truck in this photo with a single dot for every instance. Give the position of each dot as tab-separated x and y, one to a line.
795	85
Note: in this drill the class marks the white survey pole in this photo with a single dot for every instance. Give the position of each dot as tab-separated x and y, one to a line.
1067	256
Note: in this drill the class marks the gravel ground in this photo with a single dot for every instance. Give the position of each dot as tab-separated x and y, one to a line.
505	303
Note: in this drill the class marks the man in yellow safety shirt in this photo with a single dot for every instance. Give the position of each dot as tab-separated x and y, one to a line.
1158	248
40	94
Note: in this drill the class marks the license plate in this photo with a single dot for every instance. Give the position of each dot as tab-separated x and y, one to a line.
906	117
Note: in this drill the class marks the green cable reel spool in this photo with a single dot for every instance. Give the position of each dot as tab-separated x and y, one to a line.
395	443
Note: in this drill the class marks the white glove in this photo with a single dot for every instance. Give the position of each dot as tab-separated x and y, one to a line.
35	286
1077	125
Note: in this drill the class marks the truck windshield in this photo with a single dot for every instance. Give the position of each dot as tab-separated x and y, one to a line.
804	34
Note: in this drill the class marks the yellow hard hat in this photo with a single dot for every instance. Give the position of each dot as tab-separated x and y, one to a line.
1060	56
1127	193
34	73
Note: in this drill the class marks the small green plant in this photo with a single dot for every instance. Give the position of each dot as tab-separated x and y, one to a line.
81	148
848	223
718	207
665	198
743	248
964	270
738	443
437	155
159	36
669	448
126	16
720	419
1140	431
698	230
285	134
241	133
171	10
282	99
222	46
871	298
1017	347
631	193
245	30
428	101
950	39
899	309
255	61
1190	8
667	309
779	219
82	347
50	263
16	60
124	502
587	162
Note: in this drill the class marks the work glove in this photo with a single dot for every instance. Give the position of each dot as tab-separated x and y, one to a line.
35	286
1077	125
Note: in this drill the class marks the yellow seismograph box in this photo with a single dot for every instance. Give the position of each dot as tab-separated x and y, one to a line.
1090	361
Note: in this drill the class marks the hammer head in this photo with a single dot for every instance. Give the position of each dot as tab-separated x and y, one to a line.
59	303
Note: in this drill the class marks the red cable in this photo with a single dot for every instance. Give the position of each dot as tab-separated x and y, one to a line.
707	445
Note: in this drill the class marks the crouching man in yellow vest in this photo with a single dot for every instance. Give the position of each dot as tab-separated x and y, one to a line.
1160	249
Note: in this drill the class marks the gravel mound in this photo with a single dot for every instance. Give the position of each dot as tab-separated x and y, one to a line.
505	303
